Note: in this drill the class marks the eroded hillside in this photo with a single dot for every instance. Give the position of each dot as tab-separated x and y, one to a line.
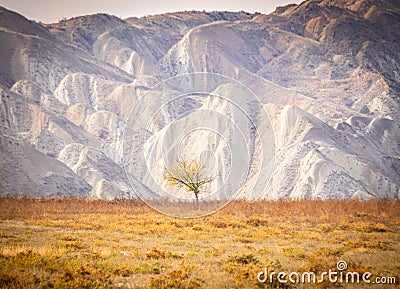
326	72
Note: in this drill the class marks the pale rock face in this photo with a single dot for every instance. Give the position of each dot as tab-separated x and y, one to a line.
360	195
121	100
109	128
312	165
200	143
94	166
76	113
107	178
112	50
107	191
29	89
31	52
27	172
40	126
88	90
220	131
327	73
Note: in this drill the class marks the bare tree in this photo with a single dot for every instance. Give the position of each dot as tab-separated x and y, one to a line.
191	175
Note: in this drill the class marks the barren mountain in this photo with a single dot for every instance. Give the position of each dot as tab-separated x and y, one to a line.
326	72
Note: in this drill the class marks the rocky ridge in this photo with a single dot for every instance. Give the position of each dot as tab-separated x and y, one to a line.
327	73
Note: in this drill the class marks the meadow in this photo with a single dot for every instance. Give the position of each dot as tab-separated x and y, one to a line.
80	243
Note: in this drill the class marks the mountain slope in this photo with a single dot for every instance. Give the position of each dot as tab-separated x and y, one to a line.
29	51
327	72
27	172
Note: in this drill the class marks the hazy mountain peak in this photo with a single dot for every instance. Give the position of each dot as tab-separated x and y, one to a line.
15	22
328	73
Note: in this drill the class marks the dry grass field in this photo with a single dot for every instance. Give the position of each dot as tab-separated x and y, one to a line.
77	243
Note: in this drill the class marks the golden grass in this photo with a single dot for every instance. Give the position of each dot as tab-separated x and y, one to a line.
79	243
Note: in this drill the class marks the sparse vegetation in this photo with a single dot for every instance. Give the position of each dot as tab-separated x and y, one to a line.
79	243
191	175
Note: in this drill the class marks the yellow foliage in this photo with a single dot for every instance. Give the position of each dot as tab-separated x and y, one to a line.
187	174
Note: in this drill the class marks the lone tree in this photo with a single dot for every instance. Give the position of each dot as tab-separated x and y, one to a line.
190	175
